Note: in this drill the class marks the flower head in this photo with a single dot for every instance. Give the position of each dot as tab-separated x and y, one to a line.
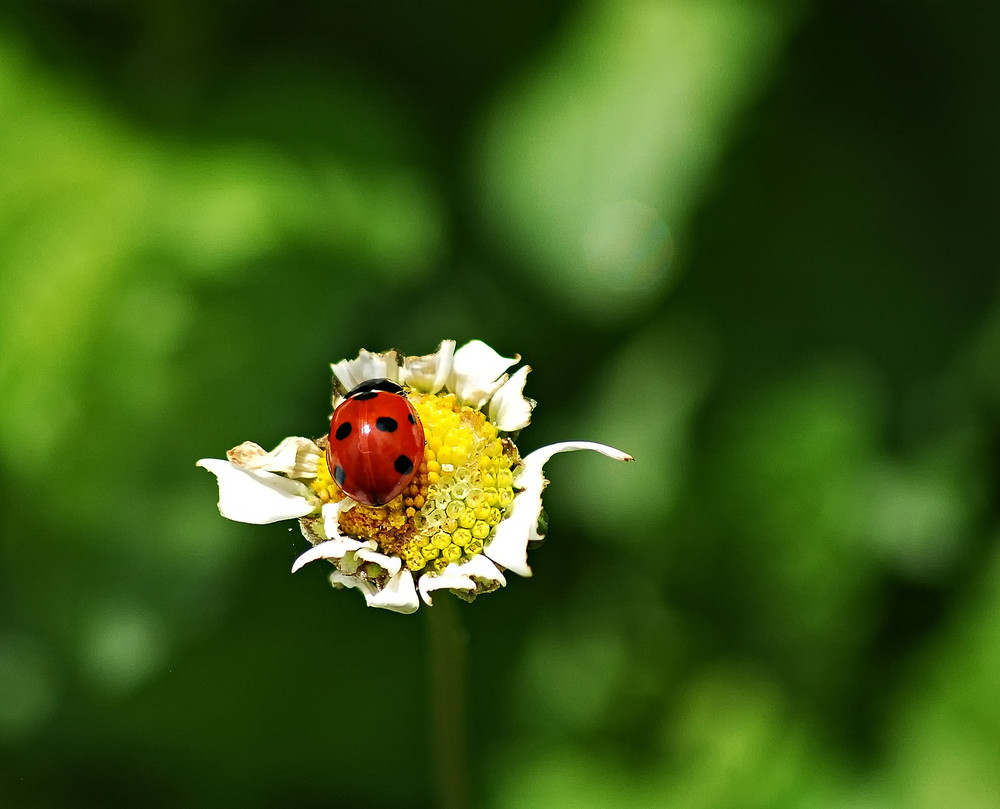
467	515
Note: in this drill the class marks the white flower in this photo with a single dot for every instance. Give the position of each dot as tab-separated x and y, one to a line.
470	512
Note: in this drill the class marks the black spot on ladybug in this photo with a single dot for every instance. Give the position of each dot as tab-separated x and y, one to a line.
365	394
343	431
403	465
338	474
386	424
411	418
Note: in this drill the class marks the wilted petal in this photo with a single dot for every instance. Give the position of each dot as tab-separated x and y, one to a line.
295	457
351	373
398	595
509	409
428	373
258	497
477	373
519	526
461	577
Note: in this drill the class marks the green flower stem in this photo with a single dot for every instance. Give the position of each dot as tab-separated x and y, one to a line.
448	648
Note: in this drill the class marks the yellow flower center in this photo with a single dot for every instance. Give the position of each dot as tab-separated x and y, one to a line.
459	495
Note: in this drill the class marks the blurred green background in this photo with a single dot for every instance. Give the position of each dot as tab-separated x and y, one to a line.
753	243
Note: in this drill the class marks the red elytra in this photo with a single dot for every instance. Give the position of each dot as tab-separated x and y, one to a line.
376	443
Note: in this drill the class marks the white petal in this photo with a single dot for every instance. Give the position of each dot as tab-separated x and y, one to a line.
398	595
257	497
519	526
295	457
428	373
391	564
509	410
331	517
349	564
509	546
531	465
352	373
477	373
461	577
338	580
331	549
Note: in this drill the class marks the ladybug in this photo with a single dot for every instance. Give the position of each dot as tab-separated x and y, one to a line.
376	443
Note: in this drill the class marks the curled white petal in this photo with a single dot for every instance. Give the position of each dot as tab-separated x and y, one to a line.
477	372
338	580
461	577
519	526
428	373
387	563
331	517
349	564
532	463
294	457
257	497
509	409
398	594
351	373
331	549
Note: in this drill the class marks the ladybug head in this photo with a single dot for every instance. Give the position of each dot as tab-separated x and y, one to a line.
368	389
